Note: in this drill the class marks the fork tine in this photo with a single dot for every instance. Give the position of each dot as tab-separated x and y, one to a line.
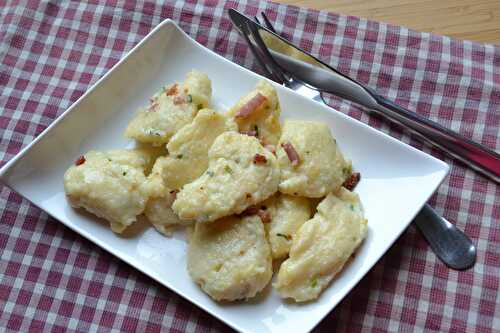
267	22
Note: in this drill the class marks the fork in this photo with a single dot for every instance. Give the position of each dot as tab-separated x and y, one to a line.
450	244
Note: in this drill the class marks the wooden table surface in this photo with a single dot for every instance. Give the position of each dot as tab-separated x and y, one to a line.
477	20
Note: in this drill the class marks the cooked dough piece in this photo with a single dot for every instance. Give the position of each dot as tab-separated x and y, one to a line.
160	198
233	181
109	185
230	258
188	148
170	109
320	168
322	246
288	213
263	115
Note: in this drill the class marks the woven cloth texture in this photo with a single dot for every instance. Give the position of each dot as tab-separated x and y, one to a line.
53	280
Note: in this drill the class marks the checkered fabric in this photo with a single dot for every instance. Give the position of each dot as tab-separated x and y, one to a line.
53	280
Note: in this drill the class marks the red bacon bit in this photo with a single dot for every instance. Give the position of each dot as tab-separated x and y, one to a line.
351	182
153	106
174	193
249	133
179	100
80	160
172	90
264	215
253	104
293	156
259	159
252	210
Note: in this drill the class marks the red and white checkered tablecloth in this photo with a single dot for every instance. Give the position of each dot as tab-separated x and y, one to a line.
53	280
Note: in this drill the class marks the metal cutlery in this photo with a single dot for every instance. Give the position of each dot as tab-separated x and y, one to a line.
310	77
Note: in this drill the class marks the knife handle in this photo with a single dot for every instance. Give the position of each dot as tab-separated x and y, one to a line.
474	155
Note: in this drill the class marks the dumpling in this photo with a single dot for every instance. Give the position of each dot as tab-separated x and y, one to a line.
109	185
311	163
170	109
258	114
322	246
158	208
287	214
230	258
188	148
240	173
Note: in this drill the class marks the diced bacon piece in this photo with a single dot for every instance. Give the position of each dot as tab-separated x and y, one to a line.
252	210
252	105
249	133
174	193
259	159
80	160
264	215
172	90
292	154
179	100
351	182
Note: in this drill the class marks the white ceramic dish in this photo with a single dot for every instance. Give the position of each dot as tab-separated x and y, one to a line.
396	179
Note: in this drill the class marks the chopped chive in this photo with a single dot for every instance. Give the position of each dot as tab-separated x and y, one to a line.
352	207
287	237
210	173
228	169
124	173
179	156
314	283
189	98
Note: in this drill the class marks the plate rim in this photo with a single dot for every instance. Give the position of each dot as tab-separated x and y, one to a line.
9	165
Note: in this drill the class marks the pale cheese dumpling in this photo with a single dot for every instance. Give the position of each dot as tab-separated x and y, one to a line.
287	214
230	258
160	198
188	148
109	185
261	113
240	173
311	163
170	109
322	246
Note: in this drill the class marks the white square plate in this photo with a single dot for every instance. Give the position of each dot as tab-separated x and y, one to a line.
396	179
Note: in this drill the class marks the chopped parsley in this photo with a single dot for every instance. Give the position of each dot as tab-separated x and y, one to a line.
180	156
189	98
210	173
314	283
124	173
228	169
287	237
351	206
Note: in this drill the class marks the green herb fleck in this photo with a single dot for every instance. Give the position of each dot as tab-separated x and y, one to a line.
210	173
124	173
179	156
200	106
228	169
109	159
351	206
314	283
287	237
347	171
189	98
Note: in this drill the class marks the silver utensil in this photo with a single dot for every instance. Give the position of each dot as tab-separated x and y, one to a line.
310	77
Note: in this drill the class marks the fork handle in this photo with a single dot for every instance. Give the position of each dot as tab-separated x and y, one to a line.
476	156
